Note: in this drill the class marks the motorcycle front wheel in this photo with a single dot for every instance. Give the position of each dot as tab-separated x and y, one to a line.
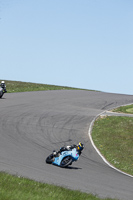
50	159
66	161
1	94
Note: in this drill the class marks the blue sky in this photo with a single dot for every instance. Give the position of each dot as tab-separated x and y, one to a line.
79	43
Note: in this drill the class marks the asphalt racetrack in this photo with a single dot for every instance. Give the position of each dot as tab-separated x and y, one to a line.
33	124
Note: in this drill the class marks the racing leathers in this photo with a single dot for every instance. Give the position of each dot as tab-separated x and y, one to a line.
67	148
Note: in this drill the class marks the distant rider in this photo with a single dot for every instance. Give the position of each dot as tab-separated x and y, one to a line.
3	85
79	147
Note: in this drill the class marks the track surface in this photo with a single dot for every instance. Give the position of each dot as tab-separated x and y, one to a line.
32	124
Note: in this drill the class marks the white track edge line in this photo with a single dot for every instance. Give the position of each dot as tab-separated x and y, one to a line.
89	133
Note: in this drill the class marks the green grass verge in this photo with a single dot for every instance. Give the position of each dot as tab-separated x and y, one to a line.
14	188
113	136
124	109
17	86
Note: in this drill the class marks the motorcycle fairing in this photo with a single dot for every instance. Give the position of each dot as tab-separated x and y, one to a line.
73	153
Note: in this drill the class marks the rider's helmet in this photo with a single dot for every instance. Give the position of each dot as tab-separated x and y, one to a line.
80	146
2	83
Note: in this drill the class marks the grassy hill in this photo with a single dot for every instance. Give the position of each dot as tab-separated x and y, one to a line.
18	86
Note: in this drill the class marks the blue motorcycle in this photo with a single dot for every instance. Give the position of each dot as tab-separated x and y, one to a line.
64	158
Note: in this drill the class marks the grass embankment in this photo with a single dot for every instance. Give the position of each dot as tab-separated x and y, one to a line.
124	109
16	86
14	188
113	136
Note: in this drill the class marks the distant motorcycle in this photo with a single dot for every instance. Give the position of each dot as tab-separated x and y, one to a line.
64	158
2	88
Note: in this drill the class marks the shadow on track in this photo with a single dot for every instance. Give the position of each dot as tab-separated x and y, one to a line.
72	167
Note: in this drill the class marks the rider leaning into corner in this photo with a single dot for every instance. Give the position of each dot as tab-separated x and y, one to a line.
3	85
79	147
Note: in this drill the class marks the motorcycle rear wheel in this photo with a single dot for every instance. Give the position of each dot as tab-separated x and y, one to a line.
66	161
